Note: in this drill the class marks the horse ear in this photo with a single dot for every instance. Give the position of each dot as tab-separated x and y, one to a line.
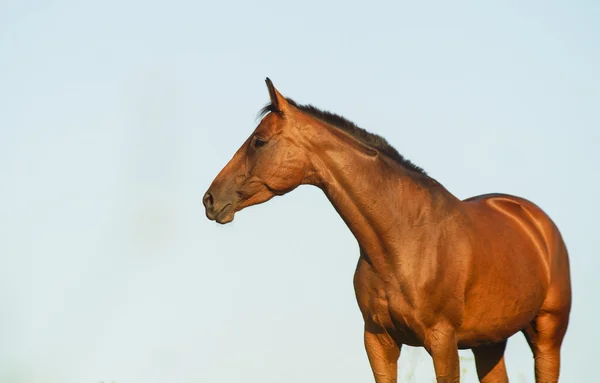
278	101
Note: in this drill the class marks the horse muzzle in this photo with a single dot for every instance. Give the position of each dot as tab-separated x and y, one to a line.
218	209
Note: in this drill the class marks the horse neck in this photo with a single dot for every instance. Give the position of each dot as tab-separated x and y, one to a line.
378	199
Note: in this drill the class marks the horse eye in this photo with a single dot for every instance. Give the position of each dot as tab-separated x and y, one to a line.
259	143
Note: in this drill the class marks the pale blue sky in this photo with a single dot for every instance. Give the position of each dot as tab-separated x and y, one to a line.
116	116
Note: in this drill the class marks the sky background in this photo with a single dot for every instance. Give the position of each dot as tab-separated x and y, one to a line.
115	117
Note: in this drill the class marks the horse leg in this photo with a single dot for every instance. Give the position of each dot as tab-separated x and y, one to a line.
442	345
489	360
383	353
545	335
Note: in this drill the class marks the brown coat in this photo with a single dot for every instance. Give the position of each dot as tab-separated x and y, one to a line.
433	271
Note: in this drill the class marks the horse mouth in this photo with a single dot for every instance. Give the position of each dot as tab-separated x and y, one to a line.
225	215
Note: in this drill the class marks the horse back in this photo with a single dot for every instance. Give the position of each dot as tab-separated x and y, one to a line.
496	213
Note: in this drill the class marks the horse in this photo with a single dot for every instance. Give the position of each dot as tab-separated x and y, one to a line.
434	271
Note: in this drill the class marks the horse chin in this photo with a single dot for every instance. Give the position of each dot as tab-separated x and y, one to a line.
225	216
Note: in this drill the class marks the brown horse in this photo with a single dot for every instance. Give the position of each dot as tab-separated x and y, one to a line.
433	271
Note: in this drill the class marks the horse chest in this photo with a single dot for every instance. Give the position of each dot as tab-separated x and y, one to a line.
382	308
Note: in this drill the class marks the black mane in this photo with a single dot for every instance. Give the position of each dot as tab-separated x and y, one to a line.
373	140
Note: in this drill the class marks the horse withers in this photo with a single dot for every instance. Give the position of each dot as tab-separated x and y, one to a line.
434	271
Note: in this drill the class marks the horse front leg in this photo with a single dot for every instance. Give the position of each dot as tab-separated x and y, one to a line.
383	353
442	345
489	360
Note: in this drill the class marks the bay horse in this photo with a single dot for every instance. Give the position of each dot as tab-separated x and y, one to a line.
434	271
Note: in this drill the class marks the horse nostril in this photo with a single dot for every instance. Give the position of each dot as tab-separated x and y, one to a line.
208	200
